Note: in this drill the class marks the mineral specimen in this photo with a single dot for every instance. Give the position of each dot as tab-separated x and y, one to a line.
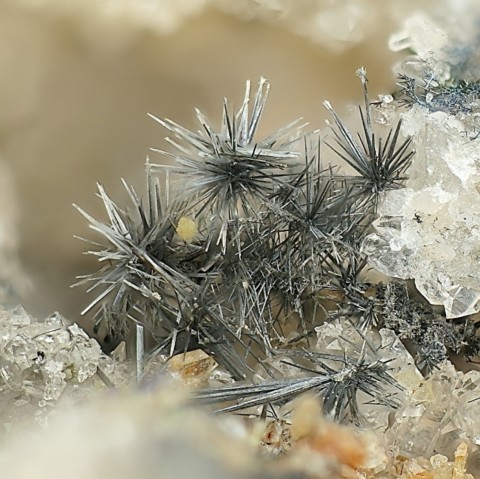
253	286
45	362
428	231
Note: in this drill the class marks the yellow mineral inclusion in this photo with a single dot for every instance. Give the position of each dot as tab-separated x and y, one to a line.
187	229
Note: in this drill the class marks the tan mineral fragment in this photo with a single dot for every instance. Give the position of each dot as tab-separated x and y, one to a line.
193	367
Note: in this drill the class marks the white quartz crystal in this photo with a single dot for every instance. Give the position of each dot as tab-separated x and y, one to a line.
438	415
429	230
43	362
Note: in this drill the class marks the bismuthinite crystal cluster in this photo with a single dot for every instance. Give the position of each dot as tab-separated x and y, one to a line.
412	422
429	231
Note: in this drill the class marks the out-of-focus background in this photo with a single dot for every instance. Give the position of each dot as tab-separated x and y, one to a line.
78	77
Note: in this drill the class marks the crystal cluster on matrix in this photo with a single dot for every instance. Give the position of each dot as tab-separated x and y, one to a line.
43	362
251	287
429	231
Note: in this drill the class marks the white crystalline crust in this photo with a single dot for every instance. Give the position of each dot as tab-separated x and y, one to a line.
430	231
43	362
438	414
434	415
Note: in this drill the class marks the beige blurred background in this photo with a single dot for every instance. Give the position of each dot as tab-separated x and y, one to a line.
78	77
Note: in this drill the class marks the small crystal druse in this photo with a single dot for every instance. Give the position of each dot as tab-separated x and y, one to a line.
46	362
244	261
428	231
252	280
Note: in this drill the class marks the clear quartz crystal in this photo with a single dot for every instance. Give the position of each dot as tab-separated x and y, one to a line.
429	230
42	362
438	415
401	363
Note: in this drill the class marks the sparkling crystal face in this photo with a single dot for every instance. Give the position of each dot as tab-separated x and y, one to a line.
44	361
429	230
